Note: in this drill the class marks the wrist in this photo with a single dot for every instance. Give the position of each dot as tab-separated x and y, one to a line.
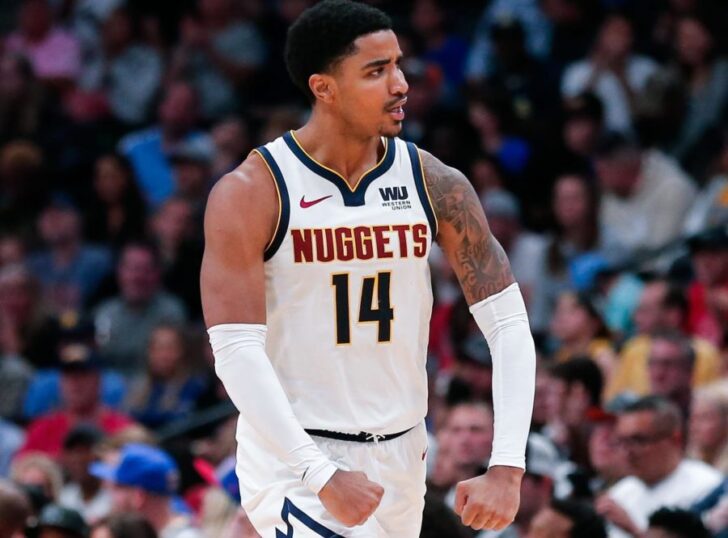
318	475
507	473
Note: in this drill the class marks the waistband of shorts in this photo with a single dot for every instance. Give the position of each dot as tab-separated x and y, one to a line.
361	437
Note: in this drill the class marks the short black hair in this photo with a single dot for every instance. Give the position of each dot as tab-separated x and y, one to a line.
678	522
668	416
581	369
583	516
324	34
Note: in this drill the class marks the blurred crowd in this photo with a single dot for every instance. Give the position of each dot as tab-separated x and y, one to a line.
595	133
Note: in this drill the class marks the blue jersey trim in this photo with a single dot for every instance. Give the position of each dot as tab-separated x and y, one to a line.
414	156
290	509
351	197
285	209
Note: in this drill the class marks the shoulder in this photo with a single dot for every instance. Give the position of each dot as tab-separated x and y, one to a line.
138	138
249	184
244	202
698	471
626	489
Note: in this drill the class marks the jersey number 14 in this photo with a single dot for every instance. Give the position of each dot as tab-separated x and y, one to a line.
382	314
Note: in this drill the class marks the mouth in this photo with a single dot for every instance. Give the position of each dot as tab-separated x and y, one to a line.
397	111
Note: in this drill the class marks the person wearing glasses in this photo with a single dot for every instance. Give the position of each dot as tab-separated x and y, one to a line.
650	434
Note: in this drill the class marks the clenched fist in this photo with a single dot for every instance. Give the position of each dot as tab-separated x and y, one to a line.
489	501
351	497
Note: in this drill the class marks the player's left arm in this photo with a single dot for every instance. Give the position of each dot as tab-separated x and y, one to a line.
481	265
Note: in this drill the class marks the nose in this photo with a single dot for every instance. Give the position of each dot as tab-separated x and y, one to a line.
399	84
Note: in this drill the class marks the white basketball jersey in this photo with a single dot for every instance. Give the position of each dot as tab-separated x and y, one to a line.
348	292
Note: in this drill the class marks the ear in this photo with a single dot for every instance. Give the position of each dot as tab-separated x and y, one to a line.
322	87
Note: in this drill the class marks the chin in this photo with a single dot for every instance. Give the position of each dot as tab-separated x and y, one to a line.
391	130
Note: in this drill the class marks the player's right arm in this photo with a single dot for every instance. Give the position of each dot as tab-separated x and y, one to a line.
240	219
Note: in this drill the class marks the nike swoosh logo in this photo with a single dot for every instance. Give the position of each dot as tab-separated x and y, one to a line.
305	204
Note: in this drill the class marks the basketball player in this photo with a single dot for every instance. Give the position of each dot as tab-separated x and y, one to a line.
316	293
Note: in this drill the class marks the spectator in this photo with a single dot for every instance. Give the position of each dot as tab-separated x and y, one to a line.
567	519
191	167
534	27
12	250
169	389
670	368
123	525
23	101
116	212
28	330
232	139
576	236
54	53
14	510
15	371
708	307
582	129
492	118
606	462
122	75
82	491
650	433
144	481
613	72
44	392
463	448
173	228
69	270
440	46
23	192
58	522
80	403
646	194
139	307
220	53
574	388
578	329
708	427
40	471
147	150
662	306
711	207
675	523
703	76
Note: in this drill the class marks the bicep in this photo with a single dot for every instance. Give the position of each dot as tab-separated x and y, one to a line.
475	255
232	277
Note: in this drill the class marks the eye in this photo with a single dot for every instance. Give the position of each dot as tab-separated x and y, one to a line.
376	72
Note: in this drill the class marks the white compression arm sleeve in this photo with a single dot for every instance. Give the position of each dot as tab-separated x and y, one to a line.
502	318
253	386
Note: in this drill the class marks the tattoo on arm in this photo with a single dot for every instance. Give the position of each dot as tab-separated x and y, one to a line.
477	258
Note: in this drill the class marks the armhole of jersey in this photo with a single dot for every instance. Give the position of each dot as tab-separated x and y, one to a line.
284	208
422	191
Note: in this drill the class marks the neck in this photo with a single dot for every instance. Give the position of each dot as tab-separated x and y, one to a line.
64	253
159	515
349	154
89	488
576	235
671	462
84	414
171	135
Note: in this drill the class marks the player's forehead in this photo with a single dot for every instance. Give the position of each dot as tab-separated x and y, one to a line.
381	45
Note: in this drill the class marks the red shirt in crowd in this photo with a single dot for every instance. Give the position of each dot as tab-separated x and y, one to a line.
46	434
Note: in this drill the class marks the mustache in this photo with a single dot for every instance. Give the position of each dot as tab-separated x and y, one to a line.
395	102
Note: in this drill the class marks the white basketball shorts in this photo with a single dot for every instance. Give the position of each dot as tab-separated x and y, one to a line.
280	506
